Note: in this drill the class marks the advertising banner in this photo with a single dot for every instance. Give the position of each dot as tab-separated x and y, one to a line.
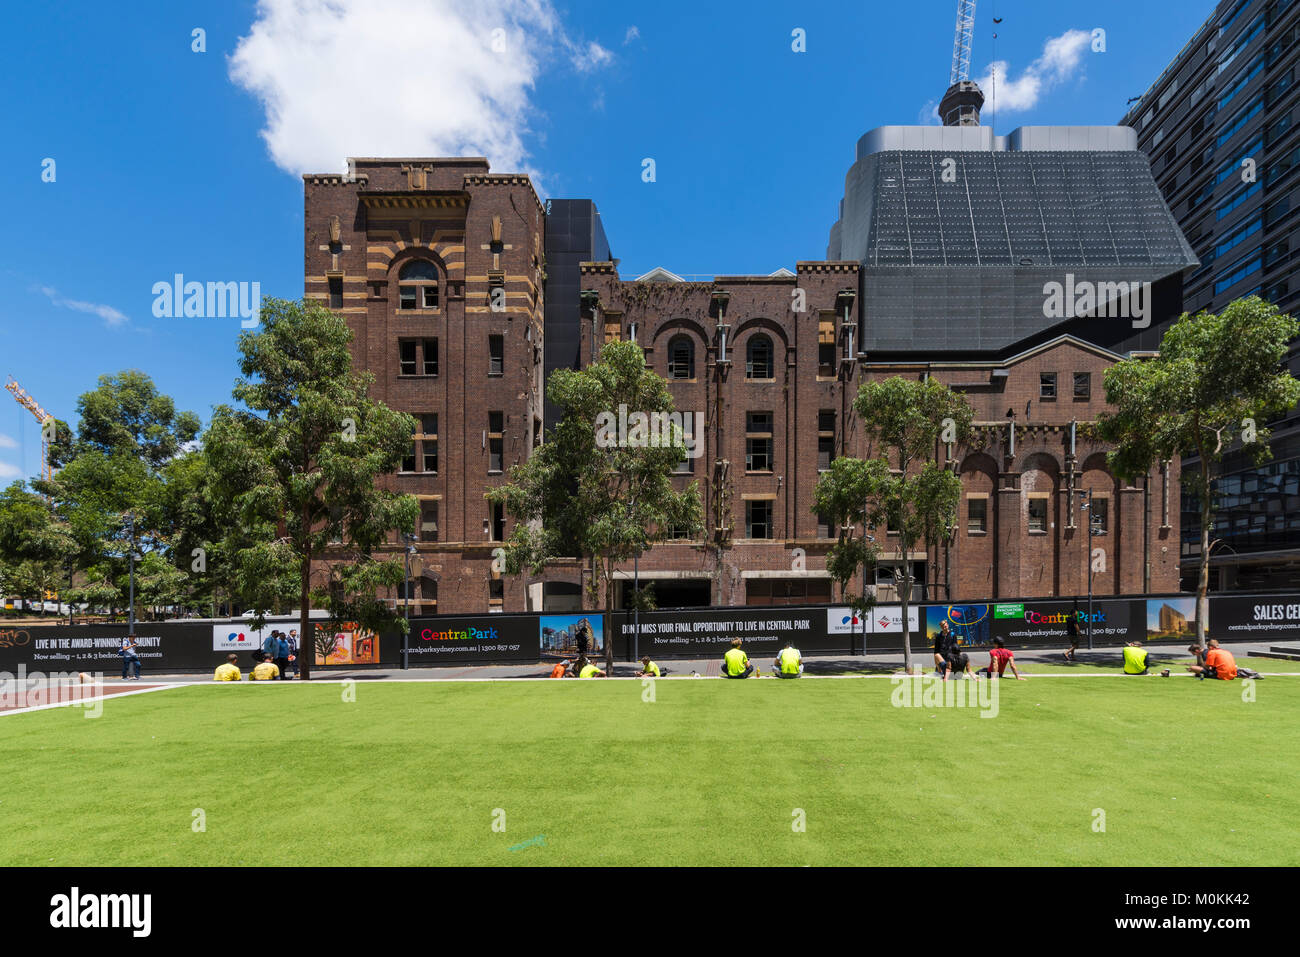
708	632
237	637
1275	617
470	640
881	620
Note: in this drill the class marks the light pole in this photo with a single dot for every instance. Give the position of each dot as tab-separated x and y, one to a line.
409	539
1087	557
130	610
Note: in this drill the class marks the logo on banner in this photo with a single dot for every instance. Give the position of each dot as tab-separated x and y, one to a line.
233	638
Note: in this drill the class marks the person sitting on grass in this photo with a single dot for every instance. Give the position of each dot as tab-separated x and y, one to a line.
266	670
735	663
1000	657
228	671
958	663
944	643
789	663
560	670
587	669
1218	663
1137	659
648	668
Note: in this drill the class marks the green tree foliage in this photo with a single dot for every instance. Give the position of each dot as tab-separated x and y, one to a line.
1217	380
294	470
581	494
903	486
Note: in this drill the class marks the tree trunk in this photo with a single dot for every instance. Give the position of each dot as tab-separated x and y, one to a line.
904	594
1203	580
608	621
306	636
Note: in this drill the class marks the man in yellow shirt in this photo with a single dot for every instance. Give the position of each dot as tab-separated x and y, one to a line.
265	671
586	669
735	663
789	663
227	672
648	668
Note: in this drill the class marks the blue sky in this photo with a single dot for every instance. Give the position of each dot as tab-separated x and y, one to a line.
174	161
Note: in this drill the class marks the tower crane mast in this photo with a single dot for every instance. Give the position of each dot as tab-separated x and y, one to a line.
961	44
23	398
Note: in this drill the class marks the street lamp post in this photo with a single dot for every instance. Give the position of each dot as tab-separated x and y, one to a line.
409	539
1087	557
130	610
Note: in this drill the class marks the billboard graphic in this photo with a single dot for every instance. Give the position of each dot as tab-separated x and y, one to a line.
349	645
970	623
237	637
560	634
1171	618
881	620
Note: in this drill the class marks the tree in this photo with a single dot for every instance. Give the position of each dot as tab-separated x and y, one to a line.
849	493
35	547
1217	379
592	491
128	435
907	419
295	470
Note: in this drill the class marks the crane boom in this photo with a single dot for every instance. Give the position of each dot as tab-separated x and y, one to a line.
961	44
24	399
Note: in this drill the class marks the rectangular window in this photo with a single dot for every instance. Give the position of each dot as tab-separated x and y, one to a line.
430	356
826	360
498	520
1038	514
825	526
1083	385
427	436
496	441
429	521
1100	516
336	292
496	594
496	355
1047	385
758	519
409	459
825	439
977	515
430	296
758	441
406	297
406	356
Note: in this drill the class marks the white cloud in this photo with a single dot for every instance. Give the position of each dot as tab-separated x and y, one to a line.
7	442
112	317
632	34
340	78
592	58
8	471
1060	59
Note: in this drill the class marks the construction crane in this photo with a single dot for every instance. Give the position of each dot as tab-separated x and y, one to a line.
961	44
34	407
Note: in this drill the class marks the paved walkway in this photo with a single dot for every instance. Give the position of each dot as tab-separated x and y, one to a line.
883	663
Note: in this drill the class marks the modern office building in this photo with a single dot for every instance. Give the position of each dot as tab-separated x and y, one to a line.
1220	126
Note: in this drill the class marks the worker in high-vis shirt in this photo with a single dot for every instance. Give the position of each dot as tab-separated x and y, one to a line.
228	671
789	663
735	663
1136	659
586	669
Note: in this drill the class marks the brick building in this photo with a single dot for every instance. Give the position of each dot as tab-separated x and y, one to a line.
436	264
440	268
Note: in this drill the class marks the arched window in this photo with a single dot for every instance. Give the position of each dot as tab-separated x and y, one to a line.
418	285
758	358
681	358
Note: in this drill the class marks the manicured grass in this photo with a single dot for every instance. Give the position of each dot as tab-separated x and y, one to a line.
711	772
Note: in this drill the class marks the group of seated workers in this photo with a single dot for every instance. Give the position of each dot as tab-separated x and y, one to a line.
264	670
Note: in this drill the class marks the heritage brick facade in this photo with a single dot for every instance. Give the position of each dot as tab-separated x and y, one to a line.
771	363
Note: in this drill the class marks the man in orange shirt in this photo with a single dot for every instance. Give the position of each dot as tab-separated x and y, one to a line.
560	669
1219	663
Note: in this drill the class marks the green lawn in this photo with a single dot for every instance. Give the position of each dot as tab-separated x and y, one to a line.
711	772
